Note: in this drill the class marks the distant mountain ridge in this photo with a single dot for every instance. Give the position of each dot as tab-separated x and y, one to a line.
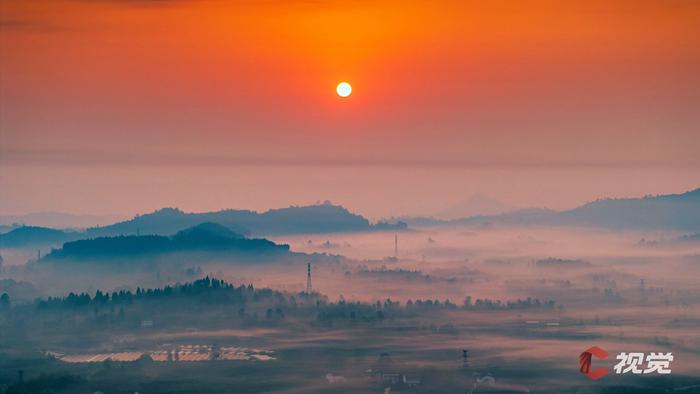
678	211
33	235
58	220
672	211
323	218
475	205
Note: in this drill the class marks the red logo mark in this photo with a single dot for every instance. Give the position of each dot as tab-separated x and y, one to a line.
585	360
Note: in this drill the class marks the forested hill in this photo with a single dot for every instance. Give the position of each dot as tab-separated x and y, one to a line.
33	235
672	211
203	238
322	218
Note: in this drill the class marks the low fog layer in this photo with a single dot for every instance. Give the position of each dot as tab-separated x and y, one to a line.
512	296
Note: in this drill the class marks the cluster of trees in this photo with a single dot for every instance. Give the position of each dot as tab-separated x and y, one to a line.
527	303
216	291
383	272
611	295
203	291
273	305
328	311
380	310
552	262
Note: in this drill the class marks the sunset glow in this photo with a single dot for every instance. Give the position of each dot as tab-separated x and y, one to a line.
581	85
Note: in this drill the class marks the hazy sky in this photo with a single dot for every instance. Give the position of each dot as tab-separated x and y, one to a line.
124	106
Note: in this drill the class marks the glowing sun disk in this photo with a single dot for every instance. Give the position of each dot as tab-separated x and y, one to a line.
343	89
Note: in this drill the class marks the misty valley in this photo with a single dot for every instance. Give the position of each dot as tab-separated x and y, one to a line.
238	301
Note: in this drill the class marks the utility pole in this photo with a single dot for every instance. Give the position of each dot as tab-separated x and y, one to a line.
308	278
396	246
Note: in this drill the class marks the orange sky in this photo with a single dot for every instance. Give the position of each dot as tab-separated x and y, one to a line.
206	97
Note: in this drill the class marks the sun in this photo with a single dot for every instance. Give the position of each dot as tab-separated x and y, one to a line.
343	89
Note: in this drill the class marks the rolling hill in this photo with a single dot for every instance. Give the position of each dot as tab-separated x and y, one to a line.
323	218
674	212
205	238
31	235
